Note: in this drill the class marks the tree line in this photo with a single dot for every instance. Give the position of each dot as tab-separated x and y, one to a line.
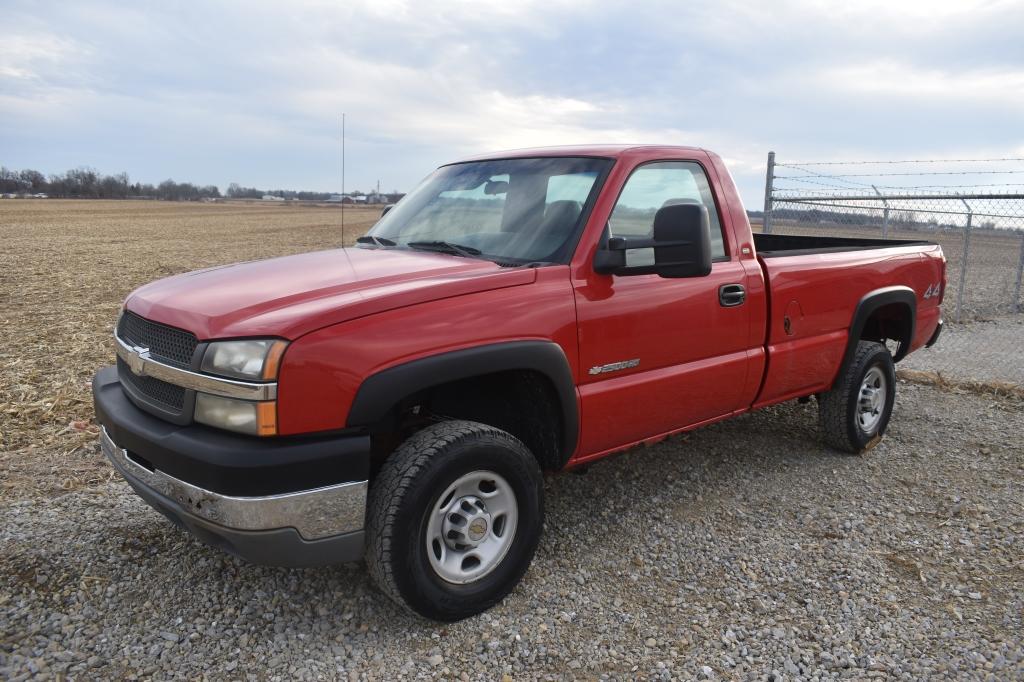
88	183
236	191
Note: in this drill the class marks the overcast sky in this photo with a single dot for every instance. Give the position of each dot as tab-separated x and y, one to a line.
252	92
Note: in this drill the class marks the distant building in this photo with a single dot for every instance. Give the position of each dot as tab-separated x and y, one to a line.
357	199
271	197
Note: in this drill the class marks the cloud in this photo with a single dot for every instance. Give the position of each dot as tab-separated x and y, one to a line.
897	80
253	91
31	58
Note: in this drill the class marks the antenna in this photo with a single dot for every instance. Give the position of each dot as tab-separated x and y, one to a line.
343	180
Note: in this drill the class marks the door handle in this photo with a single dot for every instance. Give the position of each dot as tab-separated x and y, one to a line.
730	295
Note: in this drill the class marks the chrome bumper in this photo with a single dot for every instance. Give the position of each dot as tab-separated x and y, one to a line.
314	514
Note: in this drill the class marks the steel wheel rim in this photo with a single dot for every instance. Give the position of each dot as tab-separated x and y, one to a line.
470	527
871	400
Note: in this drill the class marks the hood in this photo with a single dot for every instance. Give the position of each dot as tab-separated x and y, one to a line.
293	295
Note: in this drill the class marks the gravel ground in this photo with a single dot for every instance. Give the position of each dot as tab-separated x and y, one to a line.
744	550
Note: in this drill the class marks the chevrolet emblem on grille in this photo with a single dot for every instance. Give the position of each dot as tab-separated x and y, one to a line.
137	360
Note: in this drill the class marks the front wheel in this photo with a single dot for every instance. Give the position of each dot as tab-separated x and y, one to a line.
453	519
854	414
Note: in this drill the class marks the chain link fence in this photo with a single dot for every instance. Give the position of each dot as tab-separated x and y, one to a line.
971	207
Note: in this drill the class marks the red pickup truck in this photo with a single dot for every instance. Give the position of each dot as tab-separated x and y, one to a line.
516	313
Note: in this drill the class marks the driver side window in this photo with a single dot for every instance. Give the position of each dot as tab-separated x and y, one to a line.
653	186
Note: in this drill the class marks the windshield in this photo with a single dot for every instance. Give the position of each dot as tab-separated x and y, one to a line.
522	210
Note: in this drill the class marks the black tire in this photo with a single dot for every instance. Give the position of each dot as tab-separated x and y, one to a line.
839	409
410	484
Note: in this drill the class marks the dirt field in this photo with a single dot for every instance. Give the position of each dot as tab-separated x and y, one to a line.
66	267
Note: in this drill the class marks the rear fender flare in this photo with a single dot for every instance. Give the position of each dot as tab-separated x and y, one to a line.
379	393
867	306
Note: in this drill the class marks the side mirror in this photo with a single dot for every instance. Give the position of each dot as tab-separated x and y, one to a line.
384	211
681	239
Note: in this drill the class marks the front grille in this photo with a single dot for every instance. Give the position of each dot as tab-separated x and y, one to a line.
167	395
166	344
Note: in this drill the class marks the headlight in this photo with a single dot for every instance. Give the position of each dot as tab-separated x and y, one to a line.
256	360
243	416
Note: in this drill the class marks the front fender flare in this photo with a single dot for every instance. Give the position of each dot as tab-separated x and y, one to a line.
380	392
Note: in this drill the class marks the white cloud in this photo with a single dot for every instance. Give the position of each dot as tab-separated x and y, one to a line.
33	57
893	79
256	88
929	10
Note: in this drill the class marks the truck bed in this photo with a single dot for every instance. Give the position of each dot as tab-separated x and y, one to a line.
815	285
775	245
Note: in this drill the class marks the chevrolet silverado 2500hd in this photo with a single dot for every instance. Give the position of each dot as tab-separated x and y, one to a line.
517	313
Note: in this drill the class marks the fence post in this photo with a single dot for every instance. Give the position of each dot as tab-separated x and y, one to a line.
1018	305
885	213
963	263
769	179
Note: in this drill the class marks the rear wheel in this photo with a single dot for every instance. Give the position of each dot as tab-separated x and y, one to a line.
855	413
453	519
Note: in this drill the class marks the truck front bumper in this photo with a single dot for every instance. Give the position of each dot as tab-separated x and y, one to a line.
272	501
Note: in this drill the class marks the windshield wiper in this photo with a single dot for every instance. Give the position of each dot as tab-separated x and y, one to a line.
446	247
376	241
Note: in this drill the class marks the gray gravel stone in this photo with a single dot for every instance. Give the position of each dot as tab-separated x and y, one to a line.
741	551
